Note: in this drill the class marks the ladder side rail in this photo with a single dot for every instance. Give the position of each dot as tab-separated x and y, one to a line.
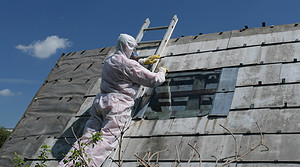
165	40
159	51
142	30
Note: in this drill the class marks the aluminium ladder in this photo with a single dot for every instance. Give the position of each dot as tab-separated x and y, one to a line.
159	51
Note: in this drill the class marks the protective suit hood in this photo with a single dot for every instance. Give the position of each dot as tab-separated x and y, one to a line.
126	44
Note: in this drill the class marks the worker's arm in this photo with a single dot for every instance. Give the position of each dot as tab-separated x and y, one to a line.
142	76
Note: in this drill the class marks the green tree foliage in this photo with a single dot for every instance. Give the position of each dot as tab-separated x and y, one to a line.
43	157
19	161
79	157
4	133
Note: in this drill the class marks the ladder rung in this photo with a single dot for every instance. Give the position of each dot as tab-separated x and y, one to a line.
149	42
156	28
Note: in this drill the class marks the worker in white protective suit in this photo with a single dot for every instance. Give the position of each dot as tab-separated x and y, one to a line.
121	78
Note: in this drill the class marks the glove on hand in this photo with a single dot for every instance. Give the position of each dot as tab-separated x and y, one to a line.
163	69
150	60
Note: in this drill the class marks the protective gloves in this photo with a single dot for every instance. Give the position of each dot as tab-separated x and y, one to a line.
150	60
163	69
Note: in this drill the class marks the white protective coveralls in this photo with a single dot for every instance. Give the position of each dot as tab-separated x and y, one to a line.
121	78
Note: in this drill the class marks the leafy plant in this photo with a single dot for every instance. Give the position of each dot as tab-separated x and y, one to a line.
43	156
20	162
78	155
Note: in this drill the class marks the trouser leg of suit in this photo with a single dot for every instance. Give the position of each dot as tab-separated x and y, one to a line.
112	125
92	126
111	131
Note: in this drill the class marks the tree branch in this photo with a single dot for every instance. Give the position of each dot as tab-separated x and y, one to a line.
178	157
251	149
157	153
80	148
200	159
142	161
235	140
193	154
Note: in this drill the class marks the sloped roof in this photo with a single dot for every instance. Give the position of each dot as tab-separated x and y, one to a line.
266	91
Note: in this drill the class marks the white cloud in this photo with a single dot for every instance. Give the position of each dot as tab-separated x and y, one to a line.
7	92
46	48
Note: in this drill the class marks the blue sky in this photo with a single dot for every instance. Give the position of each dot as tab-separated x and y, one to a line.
34	33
